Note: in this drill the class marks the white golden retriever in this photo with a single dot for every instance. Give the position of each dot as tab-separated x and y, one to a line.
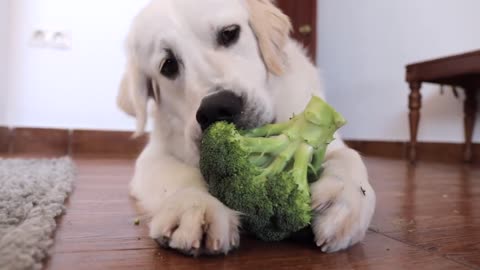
197	62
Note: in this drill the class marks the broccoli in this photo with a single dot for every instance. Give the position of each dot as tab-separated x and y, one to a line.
264	173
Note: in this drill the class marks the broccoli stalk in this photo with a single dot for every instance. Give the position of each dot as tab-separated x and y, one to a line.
264	172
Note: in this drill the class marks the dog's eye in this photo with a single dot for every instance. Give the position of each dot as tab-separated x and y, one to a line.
170	67
228	35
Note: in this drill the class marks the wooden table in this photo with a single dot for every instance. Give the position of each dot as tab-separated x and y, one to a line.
460	71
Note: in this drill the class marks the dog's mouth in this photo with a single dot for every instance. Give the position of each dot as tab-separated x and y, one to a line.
248	124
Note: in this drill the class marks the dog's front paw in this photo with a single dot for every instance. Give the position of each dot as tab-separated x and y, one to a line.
343	203
193	222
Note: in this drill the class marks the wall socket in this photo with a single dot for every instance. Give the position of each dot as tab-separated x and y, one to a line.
39	39
60	40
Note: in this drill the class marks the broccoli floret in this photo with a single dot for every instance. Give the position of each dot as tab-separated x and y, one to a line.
264	173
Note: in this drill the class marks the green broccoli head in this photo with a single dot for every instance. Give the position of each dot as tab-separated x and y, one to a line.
264	173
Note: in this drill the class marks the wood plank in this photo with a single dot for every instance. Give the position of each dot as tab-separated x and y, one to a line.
106	143
426	151
55	142
461	247
114	144
439	70
396	150
97	231
430	205
376	252
303	13
447	58
4	139
51	142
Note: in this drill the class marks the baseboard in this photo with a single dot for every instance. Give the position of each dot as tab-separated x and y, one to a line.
4	139
59	142
395	150
56	142
426	151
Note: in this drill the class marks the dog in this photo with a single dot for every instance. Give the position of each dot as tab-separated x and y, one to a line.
191	63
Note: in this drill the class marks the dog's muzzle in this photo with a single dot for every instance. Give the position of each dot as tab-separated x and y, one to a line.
223	105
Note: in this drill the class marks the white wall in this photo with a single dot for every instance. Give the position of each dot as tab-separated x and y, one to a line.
363	48
74	88
4	27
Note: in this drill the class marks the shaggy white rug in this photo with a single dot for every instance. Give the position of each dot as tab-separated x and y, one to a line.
32	194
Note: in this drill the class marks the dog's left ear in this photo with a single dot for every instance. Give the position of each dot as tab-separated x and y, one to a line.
135	90
272	28
124	100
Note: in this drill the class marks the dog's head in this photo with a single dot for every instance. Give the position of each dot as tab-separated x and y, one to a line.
204	61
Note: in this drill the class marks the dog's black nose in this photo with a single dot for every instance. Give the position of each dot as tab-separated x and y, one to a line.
220	106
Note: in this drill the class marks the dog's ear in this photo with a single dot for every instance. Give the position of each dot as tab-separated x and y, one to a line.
135	89
124	101
272	28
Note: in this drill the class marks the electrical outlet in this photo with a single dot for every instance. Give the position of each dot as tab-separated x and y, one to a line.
61	40
39	39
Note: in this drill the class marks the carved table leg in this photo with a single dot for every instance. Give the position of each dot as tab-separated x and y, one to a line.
415	103
470	109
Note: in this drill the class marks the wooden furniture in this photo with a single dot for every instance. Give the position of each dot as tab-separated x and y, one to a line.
303	15
460	71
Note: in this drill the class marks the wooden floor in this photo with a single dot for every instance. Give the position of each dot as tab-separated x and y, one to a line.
427	217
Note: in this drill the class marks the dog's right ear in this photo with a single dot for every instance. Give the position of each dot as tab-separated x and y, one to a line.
133	95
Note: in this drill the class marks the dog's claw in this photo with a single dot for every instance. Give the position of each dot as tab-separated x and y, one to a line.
167	233
162	241
216	245
196	244
319	243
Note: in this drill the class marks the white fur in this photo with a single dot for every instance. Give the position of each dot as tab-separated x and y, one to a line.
167	181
